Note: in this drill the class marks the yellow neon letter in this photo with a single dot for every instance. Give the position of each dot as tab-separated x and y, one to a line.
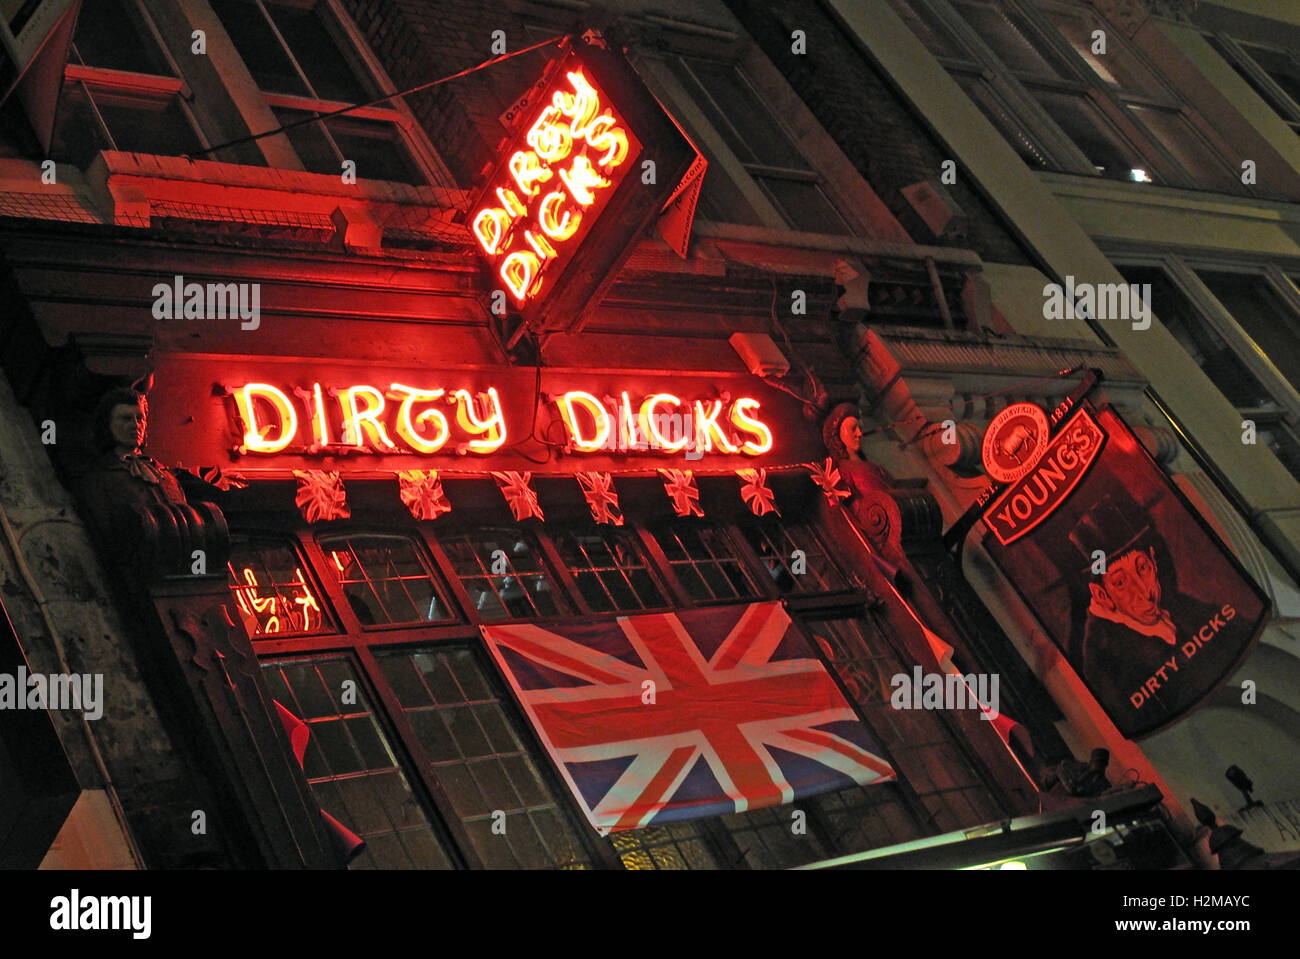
651	429
409	430
603	135
598	413
492	430
528	172
707	429
520	272
547	213
747	424
367	420
255	440
489	227
549	137
581	178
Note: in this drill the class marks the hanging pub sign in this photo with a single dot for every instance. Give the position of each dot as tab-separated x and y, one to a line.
593	159
1150	608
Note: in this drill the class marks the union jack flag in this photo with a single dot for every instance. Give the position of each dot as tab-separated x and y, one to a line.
670	716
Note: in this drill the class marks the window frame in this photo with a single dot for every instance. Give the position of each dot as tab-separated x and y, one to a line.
163	89
370	73
363	647
839	182
1011	91
1181	270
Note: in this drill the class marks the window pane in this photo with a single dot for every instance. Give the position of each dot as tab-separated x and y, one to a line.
767	841
479	761
1202	342
1179	138
385	579
1009	38
804	204
608	568
503	573
272	594
376	148
1279	65
704	562
352	769
146	124
310	43
1081	123
925	751
1262	314
110	34
739	114
679	846
794	557
1007	125
1119	66
261	50
78	135
311	145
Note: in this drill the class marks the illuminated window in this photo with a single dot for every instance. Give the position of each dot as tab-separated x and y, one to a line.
272	592
120	89
302	59
479	760
674	846
385	579
351	767
794	557
610	572
503	573
705	562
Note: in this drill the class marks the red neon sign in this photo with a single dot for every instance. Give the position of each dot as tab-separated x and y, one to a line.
555	184
404	419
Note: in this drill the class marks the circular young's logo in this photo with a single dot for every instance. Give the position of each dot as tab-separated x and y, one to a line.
1013	441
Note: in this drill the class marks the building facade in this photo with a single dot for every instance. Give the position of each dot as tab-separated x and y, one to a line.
309	296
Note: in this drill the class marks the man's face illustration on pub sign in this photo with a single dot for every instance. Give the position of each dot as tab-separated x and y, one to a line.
1131	587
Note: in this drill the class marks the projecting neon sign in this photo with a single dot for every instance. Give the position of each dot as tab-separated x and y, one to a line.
403	419
552	189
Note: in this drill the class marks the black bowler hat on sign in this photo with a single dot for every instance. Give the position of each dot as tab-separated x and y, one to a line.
1114	526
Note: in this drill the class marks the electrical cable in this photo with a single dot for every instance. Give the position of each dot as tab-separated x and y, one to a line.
369	103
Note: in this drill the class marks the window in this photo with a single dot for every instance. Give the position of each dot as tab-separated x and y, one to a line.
926	753
676	846
794	557
760	144
272	594
418	746
1273	72
609	570
1241	329
1031	68
385	580
705	562
503	573
120	89
478	759
351	767
301	58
